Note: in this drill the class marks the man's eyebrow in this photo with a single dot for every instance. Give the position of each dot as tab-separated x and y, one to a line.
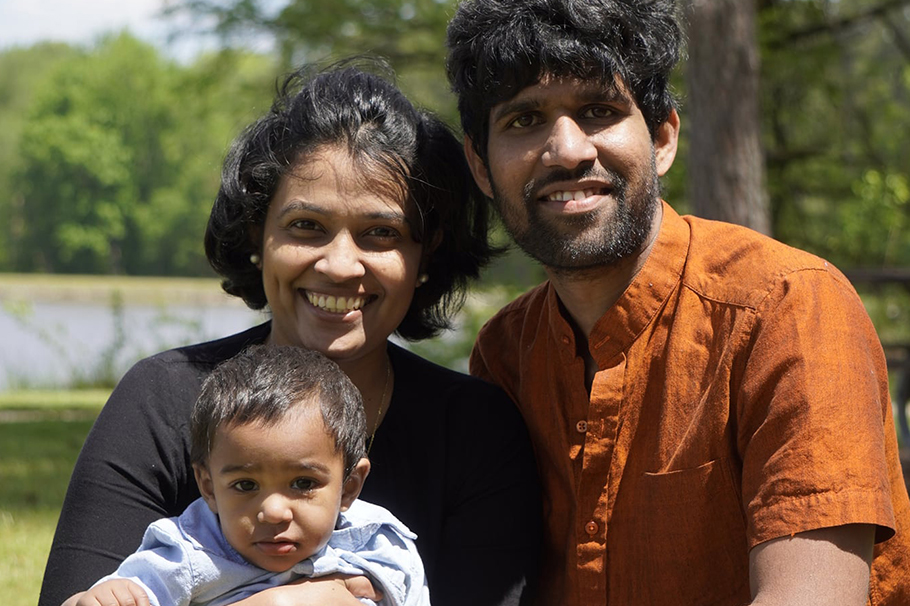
513	106
610	93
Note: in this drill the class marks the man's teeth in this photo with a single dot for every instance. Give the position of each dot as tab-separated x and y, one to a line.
565	196
335	304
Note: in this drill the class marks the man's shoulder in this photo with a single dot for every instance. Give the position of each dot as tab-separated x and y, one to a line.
737	265
511	317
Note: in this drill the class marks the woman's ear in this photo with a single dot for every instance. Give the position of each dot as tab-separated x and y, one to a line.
353	484
206	485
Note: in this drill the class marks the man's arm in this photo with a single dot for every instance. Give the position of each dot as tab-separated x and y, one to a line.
824	567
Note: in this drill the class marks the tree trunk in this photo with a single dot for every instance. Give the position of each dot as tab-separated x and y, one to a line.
726	162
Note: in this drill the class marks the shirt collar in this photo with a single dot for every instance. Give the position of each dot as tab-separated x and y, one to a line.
618	328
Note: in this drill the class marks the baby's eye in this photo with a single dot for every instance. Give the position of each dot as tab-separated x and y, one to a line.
303	484
244	485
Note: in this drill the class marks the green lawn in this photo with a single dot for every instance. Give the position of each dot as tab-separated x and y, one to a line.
40	436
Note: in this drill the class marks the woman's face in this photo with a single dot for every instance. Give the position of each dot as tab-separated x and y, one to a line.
339	264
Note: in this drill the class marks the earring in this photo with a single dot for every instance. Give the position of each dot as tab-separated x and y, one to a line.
422	279
255	259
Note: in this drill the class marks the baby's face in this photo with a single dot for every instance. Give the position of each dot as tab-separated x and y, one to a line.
277	489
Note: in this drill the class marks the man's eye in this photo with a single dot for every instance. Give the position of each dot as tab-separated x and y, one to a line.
598	111
524	121
244	486
303	484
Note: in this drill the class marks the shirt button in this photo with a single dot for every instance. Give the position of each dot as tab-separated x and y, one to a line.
565	340
581	426
591	528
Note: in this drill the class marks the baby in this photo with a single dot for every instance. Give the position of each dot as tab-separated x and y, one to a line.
278	451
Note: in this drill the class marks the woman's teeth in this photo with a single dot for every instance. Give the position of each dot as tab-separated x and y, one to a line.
338	305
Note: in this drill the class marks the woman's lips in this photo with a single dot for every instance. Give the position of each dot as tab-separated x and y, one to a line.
335	303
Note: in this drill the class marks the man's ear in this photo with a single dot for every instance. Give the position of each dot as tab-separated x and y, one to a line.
478	168
206	485
353	484
666	142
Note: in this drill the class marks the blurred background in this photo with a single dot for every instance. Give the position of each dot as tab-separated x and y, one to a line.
115	115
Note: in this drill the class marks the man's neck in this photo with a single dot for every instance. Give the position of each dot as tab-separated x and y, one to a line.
587	294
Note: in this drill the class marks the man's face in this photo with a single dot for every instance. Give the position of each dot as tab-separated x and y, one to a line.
573	171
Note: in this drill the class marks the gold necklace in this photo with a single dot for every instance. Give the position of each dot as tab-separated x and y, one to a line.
385	389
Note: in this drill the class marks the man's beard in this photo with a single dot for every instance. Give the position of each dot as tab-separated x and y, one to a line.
586	240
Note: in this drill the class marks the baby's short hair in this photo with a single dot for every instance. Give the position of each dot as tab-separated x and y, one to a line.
263	383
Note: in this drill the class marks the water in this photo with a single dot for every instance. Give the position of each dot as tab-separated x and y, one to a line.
56	344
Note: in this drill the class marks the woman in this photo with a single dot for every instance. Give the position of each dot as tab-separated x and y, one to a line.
350	215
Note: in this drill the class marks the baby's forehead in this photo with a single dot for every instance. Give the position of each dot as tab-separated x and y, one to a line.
301	434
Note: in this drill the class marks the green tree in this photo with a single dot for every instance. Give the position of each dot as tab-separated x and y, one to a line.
409	33
121	154
835	87
21	72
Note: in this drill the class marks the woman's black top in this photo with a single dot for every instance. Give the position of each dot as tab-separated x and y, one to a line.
451	459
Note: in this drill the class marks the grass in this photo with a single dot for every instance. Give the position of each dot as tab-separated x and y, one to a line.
41	434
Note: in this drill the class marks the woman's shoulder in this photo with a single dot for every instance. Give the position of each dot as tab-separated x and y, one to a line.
181	370
430	390
425	376
211	353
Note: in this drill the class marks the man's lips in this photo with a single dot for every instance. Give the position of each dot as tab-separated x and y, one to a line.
578	199
567	195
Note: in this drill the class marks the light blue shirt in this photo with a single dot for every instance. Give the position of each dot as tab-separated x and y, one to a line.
186	560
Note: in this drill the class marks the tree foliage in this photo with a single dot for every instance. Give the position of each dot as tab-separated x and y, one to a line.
110	156
835	88
118	160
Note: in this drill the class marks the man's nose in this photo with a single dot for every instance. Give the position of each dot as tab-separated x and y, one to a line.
568	145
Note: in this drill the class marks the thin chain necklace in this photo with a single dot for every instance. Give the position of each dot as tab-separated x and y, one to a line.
385	389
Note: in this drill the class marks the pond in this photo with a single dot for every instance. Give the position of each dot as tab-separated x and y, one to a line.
79	341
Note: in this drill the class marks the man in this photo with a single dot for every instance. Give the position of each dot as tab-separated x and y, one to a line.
709	407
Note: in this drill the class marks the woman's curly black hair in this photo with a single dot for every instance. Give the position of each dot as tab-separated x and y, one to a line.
397	148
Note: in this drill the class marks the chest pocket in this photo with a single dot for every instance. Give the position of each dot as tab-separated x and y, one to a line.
679	538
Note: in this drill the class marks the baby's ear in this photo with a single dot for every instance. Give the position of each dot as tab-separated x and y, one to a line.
353	484
206	485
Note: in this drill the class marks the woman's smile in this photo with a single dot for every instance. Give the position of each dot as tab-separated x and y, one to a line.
337	304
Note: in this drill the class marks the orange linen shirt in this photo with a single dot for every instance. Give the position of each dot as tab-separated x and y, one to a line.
741	396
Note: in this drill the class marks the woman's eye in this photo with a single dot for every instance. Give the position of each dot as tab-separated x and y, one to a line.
304	224
383	232
244	486
524	121
303	484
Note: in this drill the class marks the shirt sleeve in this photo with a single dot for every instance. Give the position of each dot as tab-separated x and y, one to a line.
162	566
131	471
813	411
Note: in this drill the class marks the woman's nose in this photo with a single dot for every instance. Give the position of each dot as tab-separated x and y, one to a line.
274	510
341	259
568	145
